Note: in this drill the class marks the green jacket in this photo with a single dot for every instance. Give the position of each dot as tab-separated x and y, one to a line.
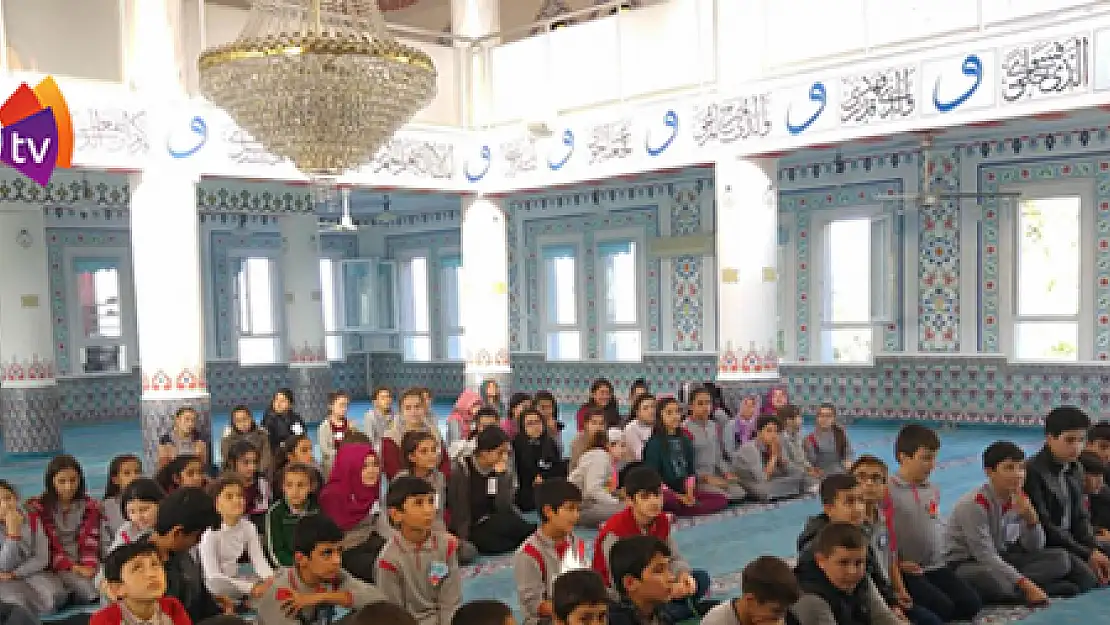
278	526
673	468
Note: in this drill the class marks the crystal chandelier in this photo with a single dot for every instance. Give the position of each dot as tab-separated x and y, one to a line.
319	82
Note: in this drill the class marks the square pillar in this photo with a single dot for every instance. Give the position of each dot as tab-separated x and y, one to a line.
485	295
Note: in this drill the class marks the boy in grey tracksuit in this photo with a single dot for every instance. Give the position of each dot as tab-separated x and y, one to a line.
995	541
544	555
713	469
419	567
762	468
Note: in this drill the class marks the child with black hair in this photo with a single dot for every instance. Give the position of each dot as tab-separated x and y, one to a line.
644	516
915	505
644	581
1054	483
551	550
185	438
480	493
579	598
140	501
548	407
334	428
767	590
484	612
281	519
183	471
872	474
995	541
835	582
135	575
24	558
121	471
827	447
73	524
536	457
242	427
312	589
281	420
670	451
1098	496
842	501
183	516
422	457
761	465
296	450
244	462
419	568
222	548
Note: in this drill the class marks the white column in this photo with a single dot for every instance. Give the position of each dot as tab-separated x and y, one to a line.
310	376
485	294
475	19
29	409
747	273
165	233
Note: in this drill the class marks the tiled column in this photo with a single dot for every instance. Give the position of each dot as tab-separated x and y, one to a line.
309	374
30	414
165	232
747	255
165	244
485	293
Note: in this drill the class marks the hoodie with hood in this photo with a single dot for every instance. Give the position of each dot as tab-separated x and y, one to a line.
459	421
822	602
808	537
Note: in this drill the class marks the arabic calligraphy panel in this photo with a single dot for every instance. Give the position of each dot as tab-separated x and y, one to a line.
610	141
965	82
882	95
733	119
111	130
415	157
521	156
1046	68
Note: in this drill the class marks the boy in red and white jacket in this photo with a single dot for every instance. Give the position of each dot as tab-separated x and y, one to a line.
135	574
550	551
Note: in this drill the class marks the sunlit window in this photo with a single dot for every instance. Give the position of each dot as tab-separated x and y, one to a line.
1047	278
101	342
451	290
621	331
416	339
560	271
255	301
329	290
857	287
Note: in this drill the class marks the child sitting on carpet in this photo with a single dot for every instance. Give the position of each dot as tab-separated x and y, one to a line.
644	516
995	542
644	581
579	598
184	471
281	519
24	558
242	427
183	439
762	467
835	582
915	503
542	557
670	451
122	470
419	567
135	575
222	548
767	590
73	524
334	428
244	462
827	447
312	589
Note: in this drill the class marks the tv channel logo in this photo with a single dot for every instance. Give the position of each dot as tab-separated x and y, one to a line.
36	131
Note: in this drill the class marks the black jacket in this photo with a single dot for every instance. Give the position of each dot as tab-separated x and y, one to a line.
809	534
1100	508
624	613
847	608
280	426
1045	490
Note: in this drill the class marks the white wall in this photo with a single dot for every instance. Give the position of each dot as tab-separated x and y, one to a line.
71	38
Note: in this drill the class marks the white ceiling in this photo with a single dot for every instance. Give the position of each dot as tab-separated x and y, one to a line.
435	15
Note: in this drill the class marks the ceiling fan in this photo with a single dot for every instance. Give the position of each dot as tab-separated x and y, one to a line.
346	223
931	194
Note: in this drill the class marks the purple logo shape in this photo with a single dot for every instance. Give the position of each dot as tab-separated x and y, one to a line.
30	146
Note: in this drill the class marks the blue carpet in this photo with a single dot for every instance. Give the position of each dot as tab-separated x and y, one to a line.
744	532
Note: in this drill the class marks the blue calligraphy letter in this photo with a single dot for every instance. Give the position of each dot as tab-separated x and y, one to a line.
972	67
198	127
568	142
817	93
487	158
670	120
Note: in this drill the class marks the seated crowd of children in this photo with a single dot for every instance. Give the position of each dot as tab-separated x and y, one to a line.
393	508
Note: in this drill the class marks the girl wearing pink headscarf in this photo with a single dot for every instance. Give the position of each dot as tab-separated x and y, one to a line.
460	422
352	498
776	398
